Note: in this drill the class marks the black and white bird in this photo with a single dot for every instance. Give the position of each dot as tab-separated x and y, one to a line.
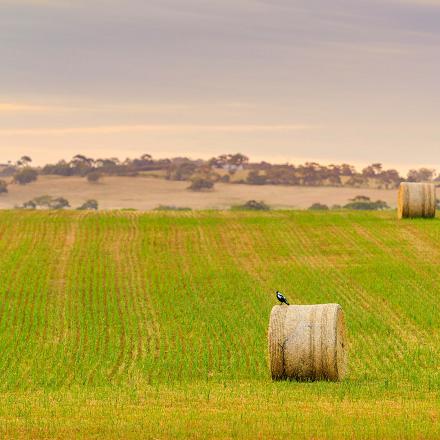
281	298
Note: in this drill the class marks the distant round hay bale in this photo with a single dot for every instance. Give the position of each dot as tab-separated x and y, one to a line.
307	342
416	200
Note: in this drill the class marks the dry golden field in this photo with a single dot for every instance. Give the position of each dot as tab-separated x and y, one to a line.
146	193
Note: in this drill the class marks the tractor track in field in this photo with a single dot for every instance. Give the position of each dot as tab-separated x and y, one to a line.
8	274
414	264
58	290
151	323
344	286
133	285
123	299
43	338
25	306
239	247
397	343
368	256
125	293
79	286
317	267
211	245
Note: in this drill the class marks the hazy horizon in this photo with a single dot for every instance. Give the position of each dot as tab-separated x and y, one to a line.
278	80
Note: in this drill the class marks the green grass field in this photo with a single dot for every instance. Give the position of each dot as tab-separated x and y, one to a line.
127	325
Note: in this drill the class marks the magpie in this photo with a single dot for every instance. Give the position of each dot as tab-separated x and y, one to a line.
281	298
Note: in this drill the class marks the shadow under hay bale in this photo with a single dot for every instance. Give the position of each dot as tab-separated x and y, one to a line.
307	342
416	200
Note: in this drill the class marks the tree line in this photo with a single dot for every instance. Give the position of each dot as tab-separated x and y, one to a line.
228	168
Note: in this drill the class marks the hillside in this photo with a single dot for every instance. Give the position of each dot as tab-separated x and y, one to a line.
127	325
145	193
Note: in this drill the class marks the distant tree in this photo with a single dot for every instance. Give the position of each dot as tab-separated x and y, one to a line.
42	201
172	208
24	161
361	199
219	161
94	176
29	205
390	178
61	168
283	175
47	202
252	205
111	166
59	203
363	203
421	175
231	160
312	174
383	178
377	167
106	163
356	181
3	187
362	206
181	171
201	184
144	163
81	165
8	170
89	205
318	207
237	159
81	159
255	178
381	205
372	170
25	176
347	170
334	180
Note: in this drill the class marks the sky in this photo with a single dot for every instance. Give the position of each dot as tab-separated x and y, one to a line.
277	80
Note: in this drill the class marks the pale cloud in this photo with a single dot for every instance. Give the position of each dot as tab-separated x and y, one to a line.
10	107
187	128
419	2
87	106
56	3
378	49
360	77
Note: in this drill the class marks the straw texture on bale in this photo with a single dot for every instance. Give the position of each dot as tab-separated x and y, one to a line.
416	200
307	342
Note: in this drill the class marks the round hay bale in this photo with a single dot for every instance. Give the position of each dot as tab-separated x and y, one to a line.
416	200
307	342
